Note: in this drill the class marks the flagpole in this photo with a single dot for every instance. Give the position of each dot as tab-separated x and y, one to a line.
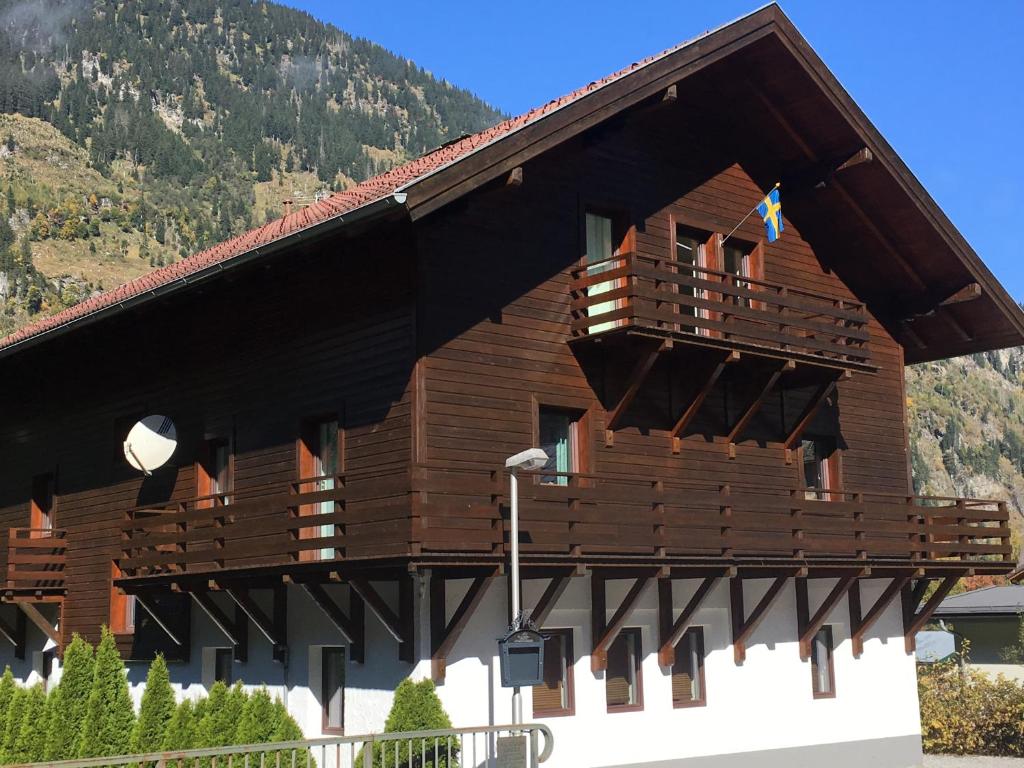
733	232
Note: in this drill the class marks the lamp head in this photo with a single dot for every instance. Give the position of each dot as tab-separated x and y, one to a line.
528	460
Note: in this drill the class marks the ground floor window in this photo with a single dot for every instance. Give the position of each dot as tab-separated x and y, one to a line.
622	681
554	696
223	660
688	671
333	688
822	673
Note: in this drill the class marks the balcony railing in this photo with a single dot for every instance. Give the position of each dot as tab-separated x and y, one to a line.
443	512
36	558
582	515
664	296
332	517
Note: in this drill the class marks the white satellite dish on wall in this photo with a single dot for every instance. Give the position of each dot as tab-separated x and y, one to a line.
150	443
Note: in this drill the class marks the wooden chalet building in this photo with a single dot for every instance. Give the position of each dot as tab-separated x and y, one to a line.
725	550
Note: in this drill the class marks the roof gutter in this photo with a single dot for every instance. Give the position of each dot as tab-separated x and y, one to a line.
370	211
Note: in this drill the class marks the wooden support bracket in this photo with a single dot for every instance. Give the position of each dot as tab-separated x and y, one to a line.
671	631
714	372
351	625
541	611
913	619
444	634
860	157
755	405
515	177
603	633
235	630
274	627
636	379
969	292
15	634
860	625
144	604
807	625
40	621
743	627
817	400
399	625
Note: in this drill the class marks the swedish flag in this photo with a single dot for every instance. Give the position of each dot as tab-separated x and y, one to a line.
771	211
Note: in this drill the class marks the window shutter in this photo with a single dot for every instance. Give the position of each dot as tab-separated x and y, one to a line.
547	697
682	686
618	675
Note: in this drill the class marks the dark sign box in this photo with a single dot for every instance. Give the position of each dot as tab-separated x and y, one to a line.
522	658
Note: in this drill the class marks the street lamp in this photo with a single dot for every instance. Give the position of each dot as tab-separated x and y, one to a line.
528	460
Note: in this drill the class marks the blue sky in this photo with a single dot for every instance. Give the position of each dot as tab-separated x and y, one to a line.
941	80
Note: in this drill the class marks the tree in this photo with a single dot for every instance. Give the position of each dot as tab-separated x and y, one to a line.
181	729
109	715
30	742
156	709
69	701
256	726
10	200
416	707
12	724
7	686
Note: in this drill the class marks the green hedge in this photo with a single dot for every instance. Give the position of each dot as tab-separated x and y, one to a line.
90	713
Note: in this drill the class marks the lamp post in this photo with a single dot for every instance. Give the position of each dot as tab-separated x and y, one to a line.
531	459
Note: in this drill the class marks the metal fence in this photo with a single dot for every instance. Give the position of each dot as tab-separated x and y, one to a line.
494	746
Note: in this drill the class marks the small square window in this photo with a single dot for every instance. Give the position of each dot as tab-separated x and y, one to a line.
223	660
622	681
554	697
688	671
333	689
822	673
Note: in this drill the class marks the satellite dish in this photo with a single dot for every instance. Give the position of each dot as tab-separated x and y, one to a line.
150	443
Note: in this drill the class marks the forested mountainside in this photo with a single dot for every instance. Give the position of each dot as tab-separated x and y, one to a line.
967	427
136	132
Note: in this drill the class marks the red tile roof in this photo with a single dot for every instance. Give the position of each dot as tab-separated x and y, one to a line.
337	204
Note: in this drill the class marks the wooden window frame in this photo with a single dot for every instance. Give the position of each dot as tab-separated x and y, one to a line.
305	457
833	474
204	469
830	658
697	632
324	688
582	454
43	485
569	683
639	670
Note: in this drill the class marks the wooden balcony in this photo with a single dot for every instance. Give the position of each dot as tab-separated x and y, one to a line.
597	518
637	294
36	558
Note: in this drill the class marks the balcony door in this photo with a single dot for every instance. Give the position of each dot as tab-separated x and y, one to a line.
606	238
695	254
41	512
319	463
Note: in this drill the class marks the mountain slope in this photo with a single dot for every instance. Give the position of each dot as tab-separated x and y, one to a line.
186	121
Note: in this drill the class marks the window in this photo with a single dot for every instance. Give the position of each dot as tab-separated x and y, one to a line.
41	514
214	472
554	697
695	254
606	238
823	678
820	467
223	660
558	436
688	671
333	689
320	460
622	681
736	262
122	606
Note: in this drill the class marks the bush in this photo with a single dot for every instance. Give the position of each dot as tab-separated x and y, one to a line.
964	712
416	707
7	686
64	730
109	715
30	742
12	724
156	709
181	730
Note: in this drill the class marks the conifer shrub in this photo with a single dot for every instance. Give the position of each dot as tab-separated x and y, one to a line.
69	700
156	709
12	723
109	715
416	707
7	686
256	725
181	729
30	741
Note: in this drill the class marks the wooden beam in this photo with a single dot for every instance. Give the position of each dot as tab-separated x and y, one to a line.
911	334
636	378
671	93
444	635
515	177
955	325
743	628
272	628
860	157
914	620
378	607
714	372
236	631
607	633
969	292
351	625
400	625
860	625
143	603
40	621
553	591
814	404
671	632
755	405
15	634
808	626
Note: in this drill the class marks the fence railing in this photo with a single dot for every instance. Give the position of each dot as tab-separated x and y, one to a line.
633	290
575	514
36	558
449	748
